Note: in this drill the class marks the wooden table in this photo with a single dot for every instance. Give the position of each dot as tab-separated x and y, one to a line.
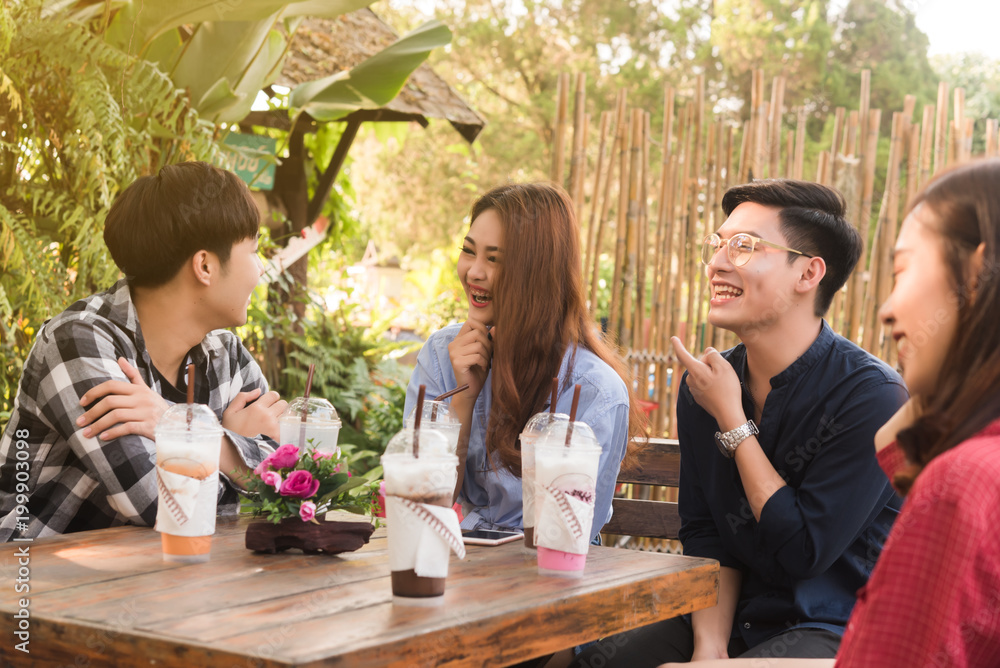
107	598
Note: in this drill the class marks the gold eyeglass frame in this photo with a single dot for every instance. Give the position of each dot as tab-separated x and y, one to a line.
715	242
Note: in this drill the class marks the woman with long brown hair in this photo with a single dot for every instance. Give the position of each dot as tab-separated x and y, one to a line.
528	322
933	598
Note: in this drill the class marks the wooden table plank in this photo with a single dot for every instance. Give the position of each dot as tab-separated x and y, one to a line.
107	598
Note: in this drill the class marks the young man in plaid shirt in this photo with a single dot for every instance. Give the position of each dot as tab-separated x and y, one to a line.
101	373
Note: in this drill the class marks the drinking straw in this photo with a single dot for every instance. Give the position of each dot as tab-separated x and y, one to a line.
555	395
460	388
305	407
190	395
572	414
416	421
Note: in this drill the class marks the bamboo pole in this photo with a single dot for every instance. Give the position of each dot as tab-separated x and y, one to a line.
578	160
639	329
941	129
857	322
926	144
883	238
558	145
838	128
912	161
617	123
615	315
636	124
777	101
800	144
991	138
595	203
958	126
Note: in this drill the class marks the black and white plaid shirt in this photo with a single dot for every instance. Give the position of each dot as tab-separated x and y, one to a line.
75	483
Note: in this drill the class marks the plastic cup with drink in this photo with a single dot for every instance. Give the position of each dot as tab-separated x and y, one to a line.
529	437
188	442
311	419
567	459
420	470
439	416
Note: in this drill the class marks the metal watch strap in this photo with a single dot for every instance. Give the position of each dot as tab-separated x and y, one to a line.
728	441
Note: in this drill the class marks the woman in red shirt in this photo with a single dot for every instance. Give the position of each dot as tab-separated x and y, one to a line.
934	596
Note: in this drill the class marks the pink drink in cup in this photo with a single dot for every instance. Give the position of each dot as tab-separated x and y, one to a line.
188	443
529	437
566	487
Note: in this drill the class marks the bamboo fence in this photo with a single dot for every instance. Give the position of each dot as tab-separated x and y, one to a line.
645	202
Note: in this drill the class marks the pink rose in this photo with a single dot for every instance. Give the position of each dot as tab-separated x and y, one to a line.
317	455
272	478
285	457
299	484
307	510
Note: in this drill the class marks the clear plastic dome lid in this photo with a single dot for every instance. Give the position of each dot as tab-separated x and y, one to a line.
317	409
582	438
539	421
431	444
178	417
434	411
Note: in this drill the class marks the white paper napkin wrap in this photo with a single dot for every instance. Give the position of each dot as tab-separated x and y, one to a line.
420	537
563	521
185	505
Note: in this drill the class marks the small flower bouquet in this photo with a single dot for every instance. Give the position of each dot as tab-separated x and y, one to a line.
294	483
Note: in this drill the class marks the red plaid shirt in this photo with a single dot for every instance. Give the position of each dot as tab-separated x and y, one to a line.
934	596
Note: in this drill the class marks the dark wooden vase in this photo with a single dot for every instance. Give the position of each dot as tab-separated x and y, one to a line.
293	533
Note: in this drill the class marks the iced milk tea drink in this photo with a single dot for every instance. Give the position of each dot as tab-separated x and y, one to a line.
423	528
529	437
188	443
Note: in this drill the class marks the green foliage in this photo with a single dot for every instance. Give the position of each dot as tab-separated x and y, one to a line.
355	370
79	122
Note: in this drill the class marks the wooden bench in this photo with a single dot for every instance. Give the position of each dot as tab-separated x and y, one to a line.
659	465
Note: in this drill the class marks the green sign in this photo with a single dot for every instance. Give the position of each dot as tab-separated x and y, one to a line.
251	158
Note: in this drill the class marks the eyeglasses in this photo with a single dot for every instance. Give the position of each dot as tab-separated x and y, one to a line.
740	247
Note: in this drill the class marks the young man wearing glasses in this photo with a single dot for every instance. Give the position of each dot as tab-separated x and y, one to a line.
779	480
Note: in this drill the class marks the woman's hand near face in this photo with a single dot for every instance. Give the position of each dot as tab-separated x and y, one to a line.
471	353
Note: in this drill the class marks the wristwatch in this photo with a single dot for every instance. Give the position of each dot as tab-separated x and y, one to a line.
727	442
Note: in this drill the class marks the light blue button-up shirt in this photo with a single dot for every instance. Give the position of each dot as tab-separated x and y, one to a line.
491	499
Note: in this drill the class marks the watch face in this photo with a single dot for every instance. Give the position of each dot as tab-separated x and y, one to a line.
722	446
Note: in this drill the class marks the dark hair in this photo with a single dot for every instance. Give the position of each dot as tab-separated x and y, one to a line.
159	222
812	219
540	309
966	398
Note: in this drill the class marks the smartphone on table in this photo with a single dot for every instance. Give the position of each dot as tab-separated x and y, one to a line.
486	537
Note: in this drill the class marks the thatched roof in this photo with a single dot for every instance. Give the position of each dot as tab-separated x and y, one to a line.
321	47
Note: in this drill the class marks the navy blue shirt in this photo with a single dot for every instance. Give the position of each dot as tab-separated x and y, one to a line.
818	537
